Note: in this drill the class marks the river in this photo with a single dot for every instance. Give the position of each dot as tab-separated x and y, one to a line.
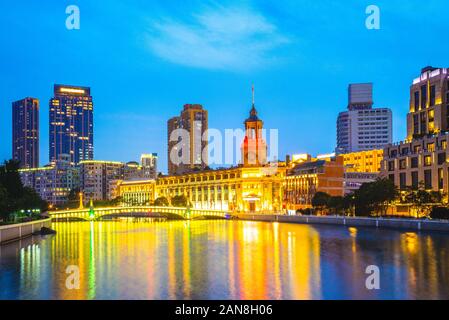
223	260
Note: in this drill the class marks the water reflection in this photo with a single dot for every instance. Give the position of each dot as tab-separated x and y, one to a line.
224	260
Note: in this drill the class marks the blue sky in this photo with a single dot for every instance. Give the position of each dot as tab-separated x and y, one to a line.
145	59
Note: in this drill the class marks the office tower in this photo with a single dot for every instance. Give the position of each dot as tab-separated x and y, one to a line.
363	127
25	132
193	122
71	123
429	103
149	165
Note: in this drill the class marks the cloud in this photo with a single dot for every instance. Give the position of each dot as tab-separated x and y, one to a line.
219	38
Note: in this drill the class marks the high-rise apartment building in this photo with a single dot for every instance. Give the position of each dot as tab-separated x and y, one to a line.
71	123
25	132
429	103
95	177
53	182
149	165
363	127
187	150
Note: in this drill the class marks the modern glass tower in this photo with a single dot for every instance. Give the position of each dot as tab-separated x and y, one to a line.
25	132
71	124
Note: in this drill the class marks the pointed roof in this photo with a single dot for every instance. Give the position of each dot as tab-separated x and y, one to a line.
253	113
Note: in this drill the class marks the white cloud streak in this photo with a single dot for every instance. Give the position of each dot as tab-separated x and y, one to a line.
233	39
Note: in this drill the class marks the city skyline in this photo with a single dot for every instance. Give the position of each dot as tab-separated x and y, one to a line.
154	86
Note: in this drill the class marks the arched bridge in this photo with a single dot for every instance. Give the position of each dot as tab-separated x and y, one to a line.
141	211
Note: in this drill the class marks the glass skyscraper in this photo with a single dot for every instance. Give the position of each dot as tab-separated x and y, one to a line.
71	124
25	132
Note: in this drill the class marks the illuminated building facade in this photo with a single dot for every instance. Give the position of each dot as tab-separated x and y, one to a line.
25	132
361	167
304	180
53	182
429	103
364	161
419	161
98	179
251	187
363	127
193	121
71	123
422	158
95	177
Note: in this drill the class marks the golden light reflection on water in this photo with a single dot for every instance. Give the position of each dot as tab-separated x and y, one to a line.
226	260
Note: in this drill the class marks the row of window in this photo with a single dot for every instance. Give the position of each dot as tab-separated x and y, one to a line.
415	181
414	162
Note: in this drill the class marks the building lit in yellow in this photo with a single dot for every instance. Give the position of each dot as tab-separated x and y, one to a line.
306	178
254	186
364	161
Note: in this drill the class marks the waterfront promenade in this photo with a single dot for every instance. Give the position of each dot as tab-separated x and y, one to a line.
400	224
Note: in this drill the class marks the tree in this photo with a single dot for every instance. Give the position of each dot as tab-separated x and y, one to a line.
320	201
375	197
3	202
423	201
336	204
179	201
14	197
161	202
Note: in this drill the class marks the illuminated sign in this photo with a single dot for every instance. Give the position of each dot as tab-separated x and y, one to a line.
71	90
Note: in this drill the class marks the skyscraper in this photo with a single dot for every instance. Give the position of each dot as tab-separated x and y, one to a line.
71	123
25	132
363	127
193	121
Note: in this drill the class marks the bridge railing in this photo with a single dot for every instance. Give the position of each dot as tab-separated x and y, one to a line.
98	212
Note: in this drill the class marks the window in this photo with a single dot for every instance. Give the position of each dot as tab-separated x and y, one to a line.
441	158
417	149
428	161
440	179
431	115
414	162
415	124
391	166
428	179
405	151
416	105
403	181
432	95
431	147
423	122
415	181
423	96
391	177
443	145
403	164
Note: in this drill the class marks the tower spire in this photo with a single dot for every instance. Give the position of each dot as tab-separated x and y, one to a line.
253	94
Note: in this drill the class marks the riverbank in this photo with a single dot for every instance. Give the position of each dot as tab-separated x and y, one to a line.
13	232
402	224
